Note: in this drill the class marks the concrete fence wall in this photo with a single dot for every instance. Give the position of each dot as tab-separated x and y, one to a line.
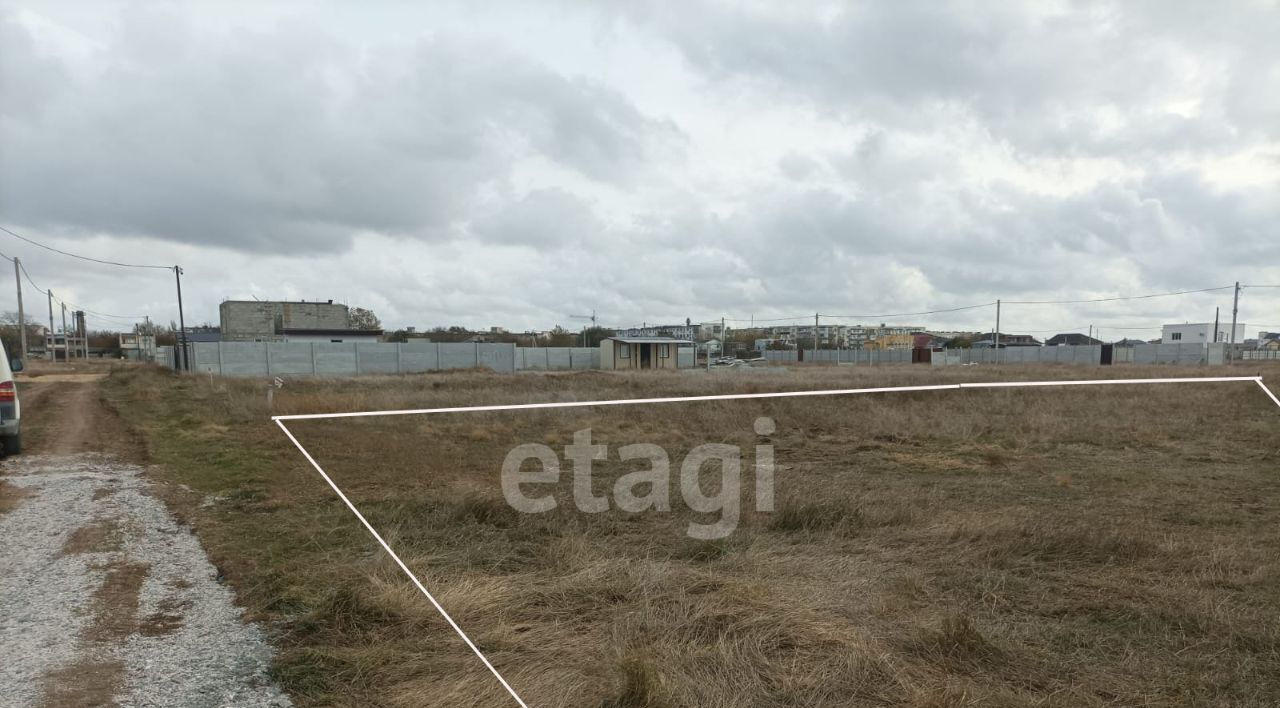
556	358
350	359
1088	354
1179	354
842	356
1185	354
344	359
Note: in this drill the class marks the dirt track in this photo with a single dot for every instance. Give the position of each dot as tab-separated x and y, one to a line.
104	599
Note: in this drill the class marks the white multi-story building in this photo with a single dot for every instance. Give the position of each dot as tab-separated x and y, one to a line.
856	336
689	332
1199	333
711	330
828	335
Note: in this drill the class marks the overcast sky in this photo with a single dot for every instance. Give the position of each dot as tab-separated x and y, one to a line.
444	165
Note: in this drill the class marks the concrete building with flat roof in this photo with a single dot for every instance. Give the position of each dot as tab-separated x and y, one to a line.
1199	333
267	320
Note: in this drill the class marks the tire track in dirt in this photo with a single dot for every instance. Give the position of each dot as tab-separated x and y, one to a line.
107	601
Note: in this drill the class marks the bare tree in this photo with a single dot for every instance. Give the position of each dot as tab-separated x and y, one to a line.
561	337
361	318
11	332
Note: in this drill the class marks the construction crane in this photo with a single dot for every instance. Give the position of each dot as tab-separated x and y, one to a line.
592	318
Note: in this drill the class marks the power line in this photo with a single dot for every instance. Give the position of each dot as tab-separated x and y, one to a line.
83	258
177	274
1077	329
1116	299
1007	302
772	319
910	314
23	267
805	318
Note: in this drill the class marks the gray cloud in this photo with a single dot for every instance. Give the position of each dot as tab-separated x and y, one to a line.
543	219
273	140
1089	78
768	160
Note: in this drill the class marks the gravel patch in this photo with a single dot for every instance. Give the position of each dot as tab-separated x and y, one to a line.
178	636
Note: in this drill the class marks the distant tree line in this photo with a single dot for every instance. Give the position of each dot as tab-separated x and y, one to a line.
558	337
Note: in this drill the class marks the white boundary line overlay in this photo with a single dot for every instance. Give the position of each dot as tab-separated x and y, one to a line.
280	420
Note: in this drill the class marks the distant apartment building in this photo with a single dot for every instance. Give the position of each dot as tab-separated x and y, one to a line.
711	330
690	332
829	336
915	340
763	343
136	346
833	336
1199	333
283	321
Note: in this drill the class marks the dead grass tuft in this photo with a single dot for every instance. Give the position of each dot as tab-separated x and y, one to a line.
955	640
641	685
797	515
480	509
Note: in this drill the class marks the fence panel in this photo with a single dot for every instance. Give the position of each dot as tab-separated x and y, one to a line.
556	358
496	356
335	359
377	358
290	359
417	358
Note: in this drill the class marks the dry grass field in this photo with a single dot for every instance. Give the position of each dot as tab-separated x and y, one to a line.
1078	546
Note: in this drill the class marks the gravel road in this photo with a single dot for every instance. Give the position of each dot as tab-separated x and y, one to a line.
106	600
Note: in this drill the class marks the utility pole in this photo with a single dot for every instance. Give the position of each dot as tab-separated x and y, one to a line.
22	315
1216	311
724	336
1235	308
49	350
82	326
815	337
995	341
182	324
66	343
592	317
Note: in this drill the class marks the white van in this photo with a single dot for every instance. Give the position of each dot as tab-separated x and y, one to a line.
10	412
